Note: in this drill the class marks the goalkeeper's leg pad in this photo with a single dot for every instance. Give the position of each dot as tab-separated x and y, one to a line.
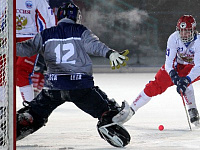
115	134
24	122
27	124
125	114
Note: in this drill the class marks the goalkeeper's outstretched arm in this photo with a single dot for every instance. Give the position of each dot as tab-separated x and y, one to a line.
30	47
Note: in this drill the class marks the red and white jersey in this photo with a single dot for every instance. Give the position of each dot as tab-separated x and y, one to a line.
32	16
178	52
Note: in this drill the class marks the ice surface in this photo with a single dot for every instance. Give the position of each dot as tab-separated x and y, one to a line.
69	128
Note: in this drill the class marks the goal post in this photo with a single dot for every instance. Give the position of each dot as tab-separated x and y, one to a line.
7	77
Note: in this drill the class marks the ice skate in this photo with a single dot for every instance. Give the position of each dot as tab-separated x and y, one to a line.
194	116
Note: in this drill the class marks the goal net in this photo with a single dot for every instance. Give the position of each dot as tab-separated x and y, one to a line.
7	88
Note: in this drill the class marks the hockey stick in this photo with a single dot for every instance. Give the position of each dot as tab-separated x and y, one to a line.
185	110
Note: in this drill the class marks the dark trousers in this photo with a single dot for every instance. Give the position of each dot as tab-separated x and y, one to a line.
92	101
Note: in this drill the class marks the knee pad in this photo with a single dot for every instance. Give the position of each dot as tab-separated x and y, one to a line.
28	123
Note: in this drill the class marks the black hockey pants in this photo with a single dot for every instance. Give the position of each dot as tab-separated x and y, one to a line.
92	101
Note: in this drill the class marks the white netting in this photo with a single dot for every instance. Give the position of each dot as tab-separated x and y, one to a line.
3	74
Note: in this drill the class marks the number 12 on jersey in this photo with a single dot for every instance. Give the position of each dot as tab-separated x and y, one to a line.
64	58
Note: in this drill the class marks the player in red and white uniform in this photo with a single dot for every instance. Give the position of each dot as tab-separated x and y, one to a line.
32	16
182	67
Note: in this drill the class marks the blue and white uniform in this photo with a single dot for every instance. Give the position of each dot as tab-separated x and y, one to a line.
65	49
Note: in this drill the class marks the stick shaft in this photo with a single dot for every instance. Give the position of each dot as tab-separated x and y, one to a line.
186	110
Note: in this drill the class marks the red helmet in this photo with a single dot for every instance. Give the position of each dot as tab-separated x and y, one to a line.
186	26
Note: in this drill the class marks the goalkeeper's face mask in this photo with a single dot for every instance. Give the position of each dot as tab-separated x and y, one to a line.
70	11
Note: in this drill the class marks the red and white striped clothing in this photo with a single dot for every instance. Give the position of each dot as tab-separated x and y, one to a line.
33	16
177	52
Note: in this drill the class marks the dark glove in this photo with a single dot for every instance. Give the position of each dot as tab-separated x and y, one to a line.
117	59
174	76
182	84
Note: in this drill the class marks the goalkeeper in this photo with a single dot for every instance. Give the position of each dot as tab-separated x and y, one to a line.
65	48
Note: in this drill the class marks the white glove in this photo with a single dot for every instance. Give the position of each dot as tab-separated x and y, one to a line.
117	59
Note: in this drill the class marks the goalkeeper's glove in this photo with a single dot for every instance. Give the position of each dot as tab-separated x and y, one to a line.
117	59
